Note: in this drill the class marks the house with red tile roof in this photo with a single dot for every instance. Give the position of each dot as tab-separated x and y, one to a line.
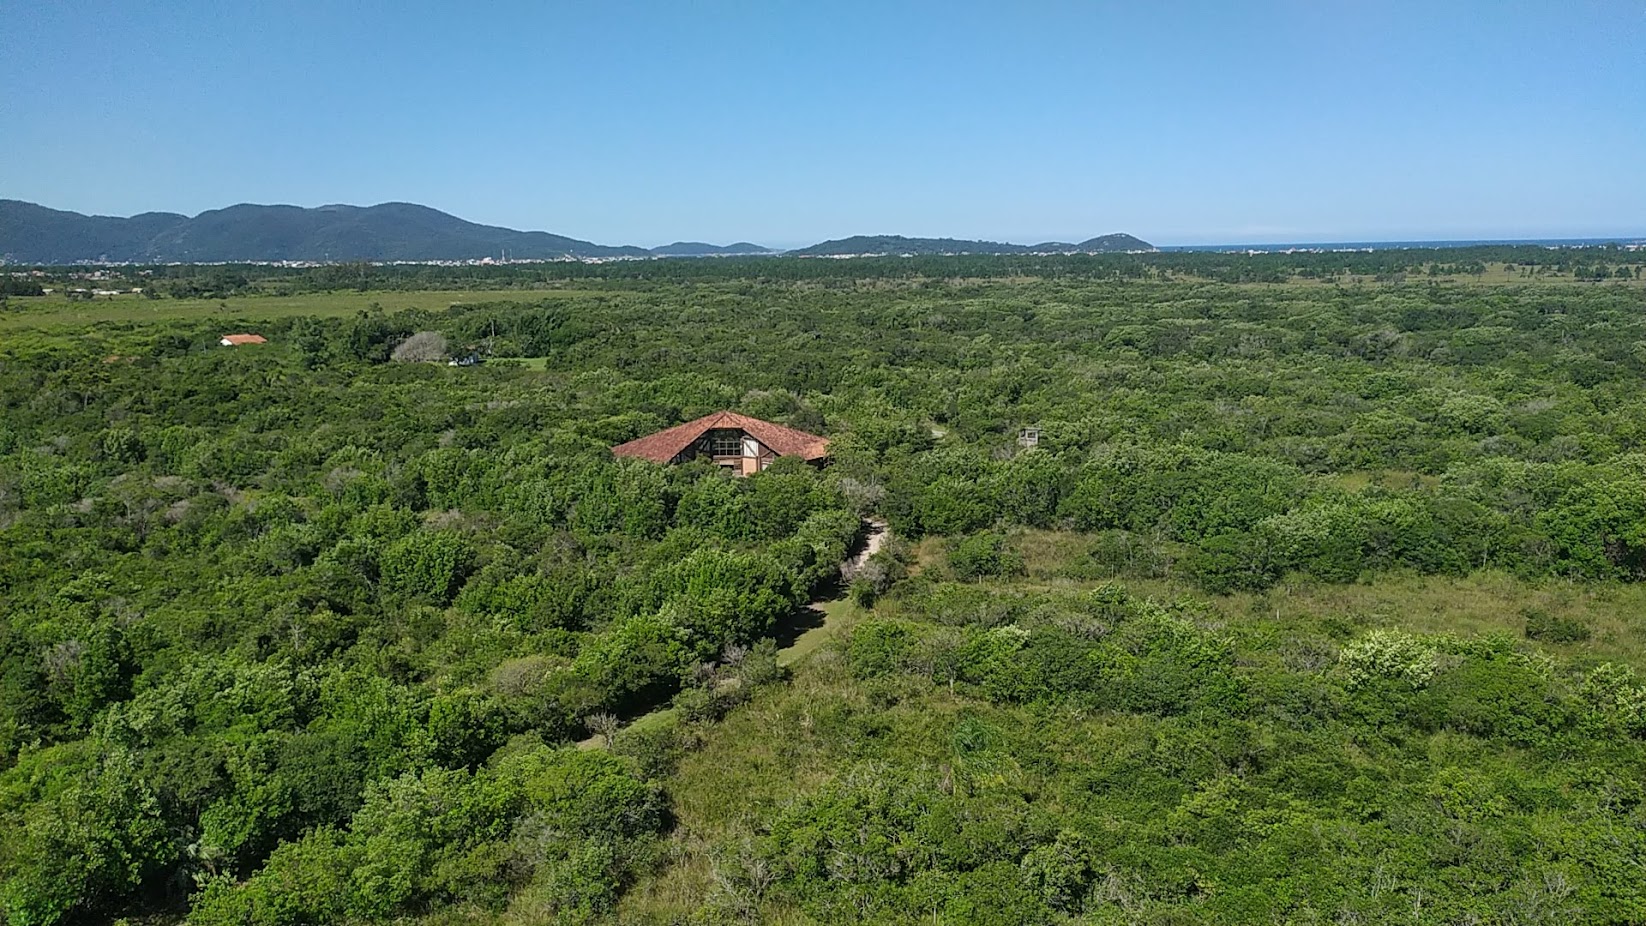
736	442
235	340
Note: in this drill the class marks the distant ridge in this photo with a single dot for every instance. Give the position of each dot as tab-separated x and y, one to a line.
1115	242
387	232
699	249
865	245
34	234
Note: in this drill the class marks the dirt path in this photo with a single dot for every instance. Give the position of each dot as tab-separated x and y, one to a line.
827	616
821	619
871	545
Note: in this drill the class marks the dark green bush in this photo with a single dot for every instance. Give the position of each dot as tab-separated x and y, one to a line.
984	556
1501	696
879	647
1553	628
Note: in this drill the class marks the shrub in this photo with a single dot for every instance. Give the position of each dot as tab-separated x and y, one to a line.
1054	664
760	666
572	889
636	663
701	705
529	601
1058	872
1118	552
952	505
655	746
306	881
430	565
1233	561
879	648
1504	696
1389	654
1110	601
719	597
1159	663
990	660
1617	694
1552	628
984	555
587	794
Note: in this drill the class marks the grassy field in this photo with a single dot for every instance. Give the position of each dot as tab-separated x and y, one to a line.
530	363
58	312
1483	602
838	616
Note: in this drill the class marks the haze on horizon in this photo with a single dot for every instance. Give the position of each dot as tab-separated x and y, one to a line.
790	123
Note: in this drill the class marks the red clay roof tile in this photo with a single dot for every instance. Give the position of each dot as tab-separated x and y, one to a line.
665	445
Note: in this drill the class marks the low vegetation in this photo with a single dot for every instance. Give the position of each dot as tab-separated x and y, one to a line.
1317	601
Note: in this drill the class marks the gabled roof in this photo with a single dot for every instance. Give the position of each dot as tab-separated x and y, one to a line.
667	444
244	339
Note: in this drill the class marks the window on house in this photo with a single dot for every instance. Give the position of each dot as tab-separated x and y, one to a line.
726	443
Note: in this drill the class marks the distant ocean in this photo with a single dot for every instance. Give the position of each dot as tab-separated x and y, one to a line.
1397	245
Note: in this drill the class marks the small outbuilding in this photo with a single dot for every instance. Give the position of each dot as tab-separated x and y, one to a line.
737	443
237	340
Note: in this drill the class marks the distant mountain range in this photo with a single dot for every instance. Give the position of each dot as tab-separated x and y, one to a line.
391	231
33	234
897	244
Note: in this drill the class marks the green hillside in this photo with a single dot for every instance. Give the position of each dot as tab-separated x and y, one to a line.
247	232
898	245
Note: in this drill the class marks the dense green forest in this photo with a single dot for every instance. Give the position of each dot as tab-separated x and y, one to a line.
1319	599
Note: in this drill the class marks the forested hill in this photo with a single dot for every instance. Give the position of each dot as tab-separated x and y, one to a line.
385	232
897	244
34	234
1104	244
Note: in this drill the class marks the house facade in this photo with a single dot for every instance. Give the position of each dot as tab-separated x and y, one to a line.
737	443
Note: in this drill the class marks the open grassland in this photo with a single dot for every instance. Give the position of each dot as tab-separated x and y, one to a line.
1480	603
57	312
530	363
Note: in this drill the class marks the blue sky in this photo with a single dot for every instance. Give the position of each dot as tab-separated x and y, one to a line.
790	122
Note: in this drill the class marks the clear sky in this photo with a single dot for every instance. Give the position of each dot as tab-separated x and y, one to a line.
786	123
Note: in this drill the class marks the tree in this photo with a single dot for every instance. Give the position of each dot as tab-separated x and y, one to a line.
422	347
428	564
99	840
